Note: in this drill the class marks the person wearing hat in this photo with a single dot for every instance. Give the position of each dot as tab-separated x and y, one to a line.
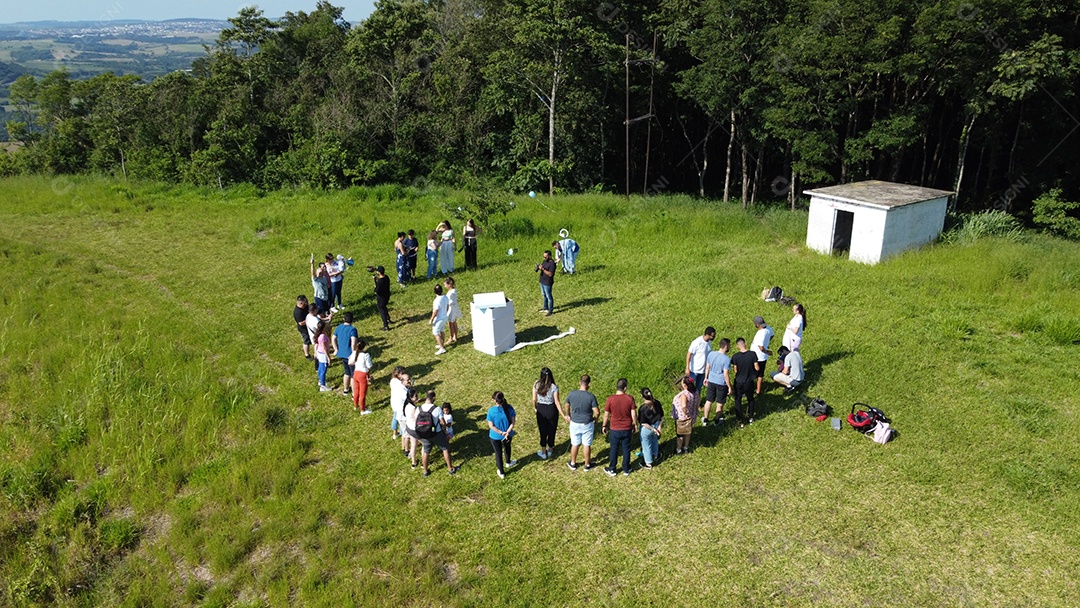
760	347
382	296
791	372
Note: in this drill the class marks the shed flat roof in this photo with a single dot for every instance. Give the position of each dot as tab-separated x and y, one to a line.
876	193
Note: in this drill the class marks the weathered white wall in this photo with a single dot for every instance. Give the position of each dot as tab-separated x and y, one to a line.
876	234
867	229
914	225
819	226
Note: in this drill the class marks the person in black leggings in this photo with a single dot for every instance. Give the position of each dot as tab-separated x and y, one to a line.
545	398
500	419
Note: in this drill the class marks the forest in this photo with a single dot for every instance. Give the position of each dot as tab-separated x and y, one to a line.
734	99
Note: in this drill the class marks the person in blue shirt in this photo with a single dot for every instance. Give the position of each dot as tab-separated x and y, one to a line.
500	419
344	342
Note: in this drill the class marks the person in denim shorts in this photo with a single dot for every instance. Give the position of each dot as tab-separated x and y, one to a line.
584	410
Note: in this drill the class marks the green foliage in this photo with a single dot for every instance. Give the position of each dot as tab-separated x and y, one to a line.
970	227
1056	216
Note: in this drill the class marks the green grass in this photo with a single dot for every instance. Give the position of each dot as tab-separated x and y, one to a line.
162	444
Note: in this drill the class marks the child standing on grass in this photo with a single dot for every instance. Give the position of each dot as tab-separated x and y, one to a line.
322	354
432	254
448	419
398	393
454	310
360	361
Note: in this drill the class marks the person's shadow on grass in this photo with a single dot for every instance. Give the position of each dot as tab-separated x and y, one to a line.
775	398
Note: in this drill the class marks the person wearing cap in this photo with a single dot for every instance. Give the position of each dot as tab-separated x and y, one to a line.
791	372
760	347
335	268
382	296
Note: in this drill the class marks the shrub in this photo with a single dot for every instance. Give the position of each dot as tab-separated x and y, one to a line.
1051	214
971	227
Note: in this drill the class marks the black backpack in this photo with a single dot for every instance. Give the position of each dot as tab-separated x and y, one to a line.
817	408
425	423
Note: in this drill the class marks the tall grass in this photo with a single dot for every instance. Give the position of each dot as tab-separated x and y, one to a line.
163	444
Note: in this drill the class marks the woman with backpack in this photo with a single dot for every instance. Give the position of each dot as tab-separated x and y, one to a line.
545	399
500	420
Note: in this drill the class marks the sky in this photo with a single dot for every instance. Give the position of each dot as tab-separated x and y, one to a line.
154	10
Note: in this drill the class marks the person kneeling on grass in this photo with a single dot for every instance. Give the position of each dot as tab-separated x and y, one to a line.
791	369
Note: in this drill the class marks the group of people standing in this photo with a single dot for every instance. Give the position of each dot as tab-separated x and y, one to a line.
439	251
714	374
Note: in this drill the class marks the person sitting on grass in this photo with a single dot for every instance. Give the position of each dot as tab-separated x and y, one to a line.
791	372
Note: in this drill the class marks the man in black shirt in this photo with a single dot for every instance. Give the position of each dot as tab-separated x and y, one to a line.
746	366
299	313
547	279
382	296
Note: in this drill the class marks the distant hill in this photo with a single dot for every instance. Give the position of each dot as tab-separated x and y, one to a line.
86	48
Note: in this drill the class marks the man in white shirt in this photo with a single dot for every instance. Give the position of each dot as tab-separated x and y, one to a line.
440	312
792	373
718	381
760	347
697	356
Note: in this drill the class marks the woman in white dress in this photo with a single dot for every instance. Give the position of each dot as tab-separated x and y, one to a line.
446	247
455	311
793	332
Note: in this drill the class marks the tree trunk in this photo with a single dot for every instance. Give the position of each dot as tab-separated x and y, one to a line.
745	176
965	139
727	171
791	187
757	175
551	127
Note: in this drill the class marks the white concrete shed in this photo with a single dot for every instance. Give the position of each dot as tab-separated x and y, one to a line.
873	220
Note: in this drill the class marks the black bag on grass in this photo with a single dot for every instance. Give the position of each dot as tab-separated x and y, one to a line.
817	408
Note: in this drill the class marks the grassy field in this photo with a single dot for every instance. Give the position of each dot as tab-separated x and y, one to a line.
162	441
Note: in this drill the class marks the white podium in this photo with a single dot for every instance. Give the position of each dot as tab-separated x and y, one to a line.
492	323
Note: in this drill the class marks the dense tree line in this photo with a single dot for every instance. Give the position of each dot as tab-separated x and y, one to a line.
749	99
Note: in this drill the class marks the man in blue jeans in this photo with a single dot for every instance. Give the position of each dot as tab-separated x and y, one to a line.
547	279
620	414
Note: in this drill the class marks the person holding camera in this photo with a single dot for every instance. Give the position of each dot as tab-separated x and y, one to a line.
546	268
382	295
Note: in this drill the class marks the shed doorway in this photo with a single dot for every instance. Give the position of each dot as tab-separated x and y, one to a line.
842	225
